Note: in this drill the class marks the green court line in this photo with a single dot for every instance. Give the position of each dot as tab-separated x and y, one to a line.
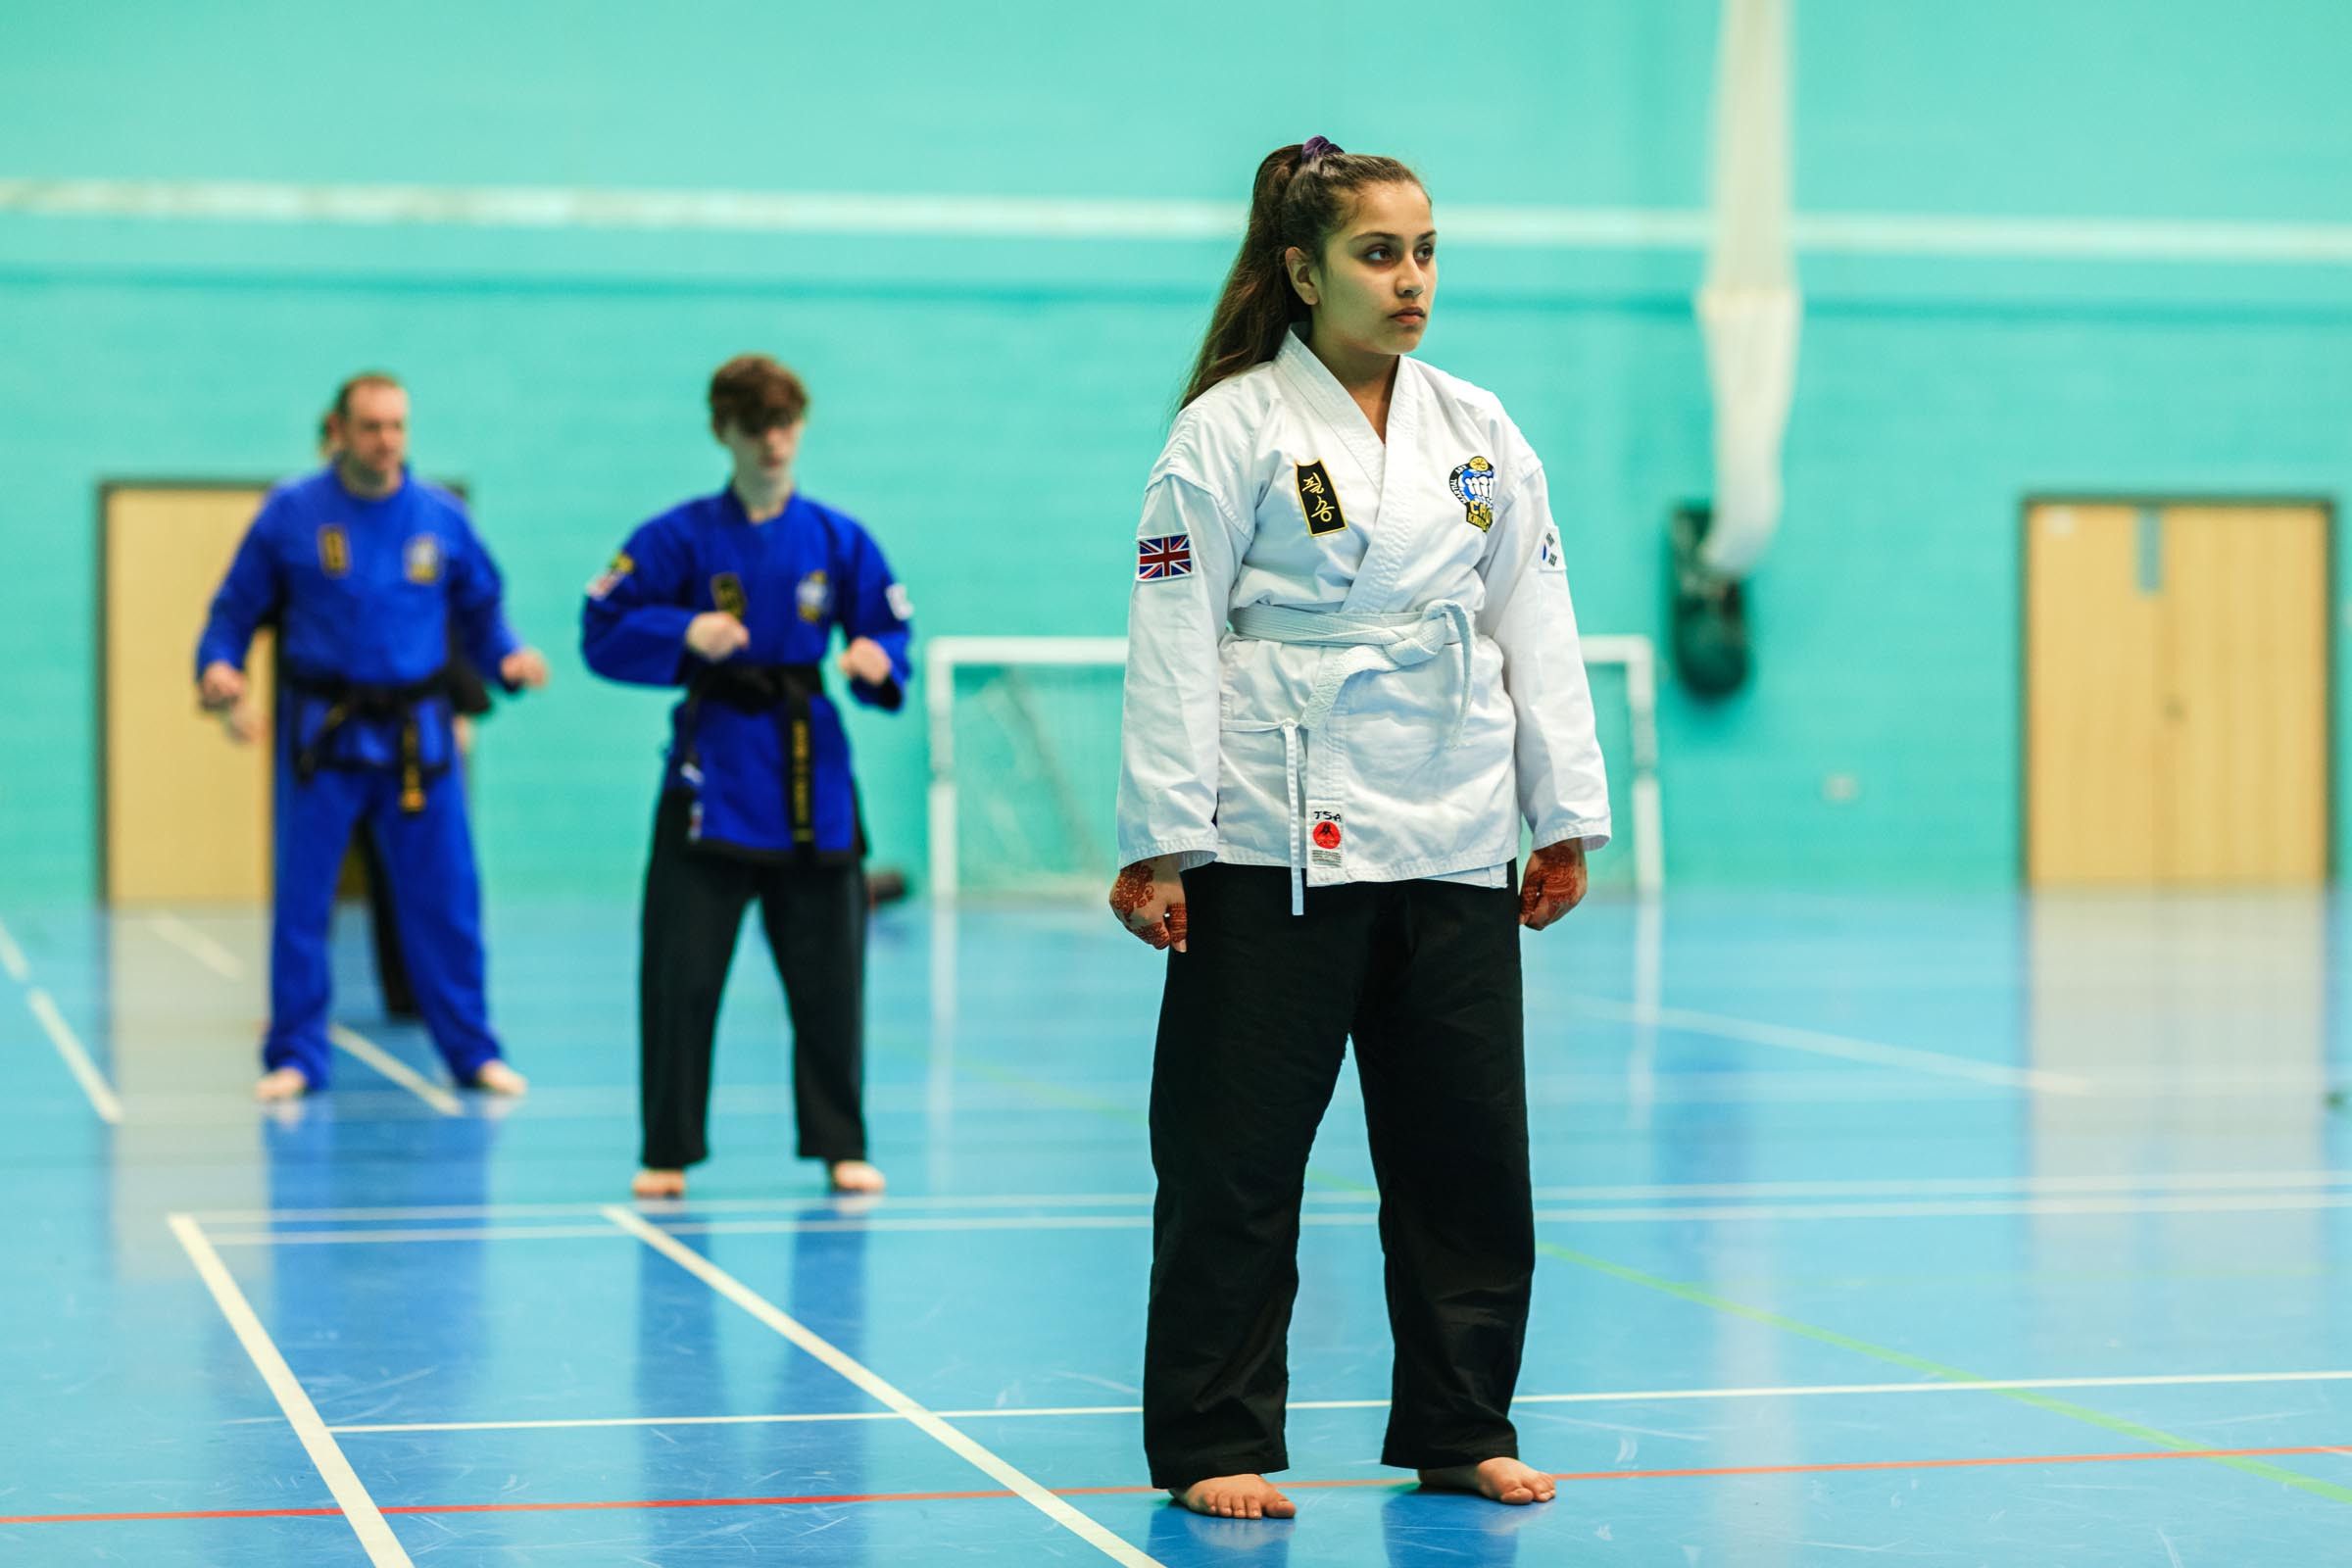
1700	1296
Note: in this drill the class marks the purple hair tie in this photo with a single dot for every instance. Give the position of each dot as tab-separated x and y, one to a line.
1315	151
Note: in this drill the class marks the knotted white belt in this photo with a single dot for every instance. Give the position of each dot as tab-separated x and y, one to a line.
1374	643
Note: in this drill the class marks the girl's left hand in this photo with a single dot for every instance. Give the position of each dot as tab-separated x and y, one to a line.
865	659
1554	883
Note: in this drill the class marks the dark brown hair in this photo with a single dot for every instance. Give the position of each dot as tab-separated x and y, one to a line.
342	408
754	393
1297	202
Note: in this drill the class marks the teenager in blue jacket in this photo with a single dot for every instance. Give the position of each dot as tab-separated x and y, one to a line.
734	597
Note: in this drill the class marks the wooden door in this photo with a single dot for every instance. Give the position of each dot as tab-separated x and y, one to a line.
2176	695
187	812
2245	595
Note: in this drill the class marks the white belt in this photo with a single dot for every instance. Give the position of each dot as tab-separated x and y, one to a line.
1375	643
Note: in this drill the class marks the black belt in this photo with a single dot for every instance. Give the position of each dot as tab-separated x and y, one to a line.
787	690
349	699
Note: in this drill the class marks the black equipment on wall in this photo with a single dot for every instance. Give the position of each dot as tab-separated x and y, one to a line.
1706	613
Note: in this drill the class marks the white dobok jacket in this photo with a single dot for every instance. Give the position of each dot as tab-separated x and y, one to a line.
1352	659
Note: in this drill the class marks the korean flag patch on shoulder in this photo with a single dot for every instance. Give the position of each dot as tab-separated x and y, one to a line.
1547	551
1162	559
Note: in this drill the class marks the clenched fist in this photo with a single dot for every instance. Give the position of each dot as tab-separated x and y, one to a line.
716	635
220	687
865	659
525	669
1554	883
1149	900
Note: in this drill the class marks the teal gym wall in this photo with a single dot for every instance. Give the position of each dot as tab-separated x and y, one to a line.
990	405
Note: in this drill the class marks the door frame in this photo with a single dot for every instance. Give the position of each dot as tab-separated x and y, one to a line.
2331	621
101	818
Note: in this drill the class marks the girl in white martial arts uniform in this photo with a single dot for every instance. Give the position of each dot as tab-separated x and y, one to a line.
1352	672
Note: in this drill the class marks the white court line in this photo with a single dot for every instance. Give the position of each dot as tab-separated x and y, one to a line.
472	1232
399	1071
1594	1396
1842	1048
196	944
1709	1214
379	1428
957	1222
1858	1188
1093	219
11	959
78	1061
932	1426
382	1546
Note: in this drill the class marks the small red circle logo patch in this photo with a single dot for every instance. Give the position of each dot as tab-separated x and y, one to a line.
1327	835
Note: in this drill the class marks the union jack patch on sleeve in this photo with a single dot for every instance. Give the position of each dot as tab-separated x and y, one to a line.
1157	560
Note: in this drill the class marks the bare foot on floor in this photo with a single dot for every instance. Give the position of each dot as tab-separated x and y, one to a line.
1249	1496
855	1176
281	1083
495	1077
657	1183
1502	1480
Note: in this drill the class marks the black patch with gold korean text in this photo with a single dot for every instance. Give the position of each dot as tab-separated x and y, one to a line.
727	593
1319	500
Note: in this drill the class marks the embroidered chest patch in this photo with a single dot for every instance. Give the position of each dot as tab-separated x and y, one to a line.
1319	500
815	597
1159	559
726	595
421	559
335	551
1473	485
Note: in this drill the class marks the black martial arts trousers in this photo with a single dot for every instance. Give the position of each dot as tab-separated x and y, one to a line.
816	922
1424	976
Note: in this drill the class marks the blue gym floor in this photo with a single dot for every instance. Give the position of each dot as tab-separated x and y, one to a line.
1962	1231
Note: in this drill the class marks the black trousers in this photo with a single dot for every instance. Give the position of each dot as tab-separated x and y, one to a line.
815	920
1253	1025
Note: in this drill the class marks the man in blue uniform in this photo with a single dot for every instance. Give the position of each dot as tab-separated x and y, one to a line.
366	569
735	597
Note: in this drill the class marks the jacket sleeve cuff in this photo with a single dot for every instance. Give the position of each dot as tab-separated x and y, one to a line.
1191	851
1592	830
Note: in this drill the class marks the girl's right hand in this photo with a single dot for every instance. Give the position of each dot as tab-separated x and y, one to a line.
1149	900
716	635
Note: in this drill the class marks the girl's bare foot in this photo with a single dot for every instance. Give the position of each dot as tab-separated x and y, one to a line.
281	1083
495	1077
855	1176
1503	1480
1249	1496
659	1184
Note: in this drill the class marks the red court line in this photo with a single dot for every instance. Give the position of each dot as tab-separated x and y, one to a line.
1717	1472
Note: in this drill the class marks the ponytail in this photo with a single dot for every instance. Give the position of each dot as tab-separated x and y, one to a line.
1299	197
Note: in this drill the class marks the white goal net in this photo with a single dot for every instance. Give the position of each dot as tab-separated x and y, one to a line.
1024	739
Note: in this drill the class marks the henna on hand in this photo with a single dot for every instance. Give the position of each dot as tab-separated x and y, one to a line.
1554	883
1131	898
1150	907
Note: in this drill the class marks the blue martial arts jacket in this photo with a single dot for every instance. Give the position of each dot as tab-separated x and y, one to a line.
757	742
365	593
